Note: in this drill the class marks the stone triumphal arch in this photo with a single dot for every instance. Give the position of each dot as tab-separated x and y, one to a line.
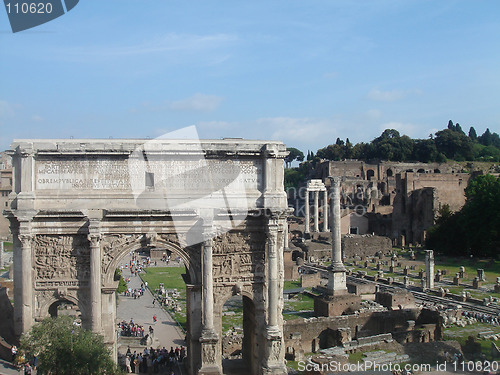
79	206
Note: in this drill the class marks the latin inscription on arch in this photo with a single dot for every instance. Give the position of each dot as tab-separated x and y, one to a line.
123	175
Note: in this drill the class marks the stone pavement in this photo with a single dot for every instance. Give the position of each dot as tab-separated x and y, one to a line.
166	331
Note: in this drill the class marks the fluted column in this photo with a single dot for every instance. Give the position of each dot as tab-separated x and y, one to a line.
325	211
316	211
306	220
94	238
337	279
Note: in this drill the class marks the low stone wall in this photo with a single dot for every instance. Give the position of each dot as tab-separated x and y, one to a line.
365	245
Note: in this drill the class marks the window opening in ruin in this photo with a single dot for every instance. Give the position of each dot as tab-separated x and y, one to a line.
353	230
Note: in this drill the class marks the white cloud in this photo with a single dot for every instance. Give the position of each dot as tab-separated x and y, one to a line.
36	118
389	96
174	44
197	102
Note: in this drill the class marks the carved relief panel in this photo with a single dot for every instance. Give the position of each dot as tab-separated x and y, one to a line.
239	257
61	261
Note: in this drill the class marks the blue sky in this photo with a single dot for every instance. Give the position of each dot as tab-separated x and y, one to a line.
304	72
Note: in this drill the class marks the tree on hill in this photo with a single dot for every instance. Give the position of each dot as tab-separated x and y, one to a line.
66	349
293	154
454	145
472	133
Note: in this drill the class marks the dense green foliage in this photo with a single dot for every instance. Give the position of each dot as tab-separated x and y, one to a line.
448	144
122	285
66	349
475	229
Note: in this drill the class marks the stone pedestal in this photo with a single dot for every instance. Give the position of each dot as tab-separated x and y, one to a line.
210	355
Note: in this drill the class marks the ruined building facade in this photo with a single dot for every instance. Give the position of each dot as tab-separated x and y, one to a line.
395	199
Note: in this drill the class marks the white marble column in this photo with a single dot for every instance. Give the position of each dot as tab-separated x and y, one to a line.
325	210
306	219
95	280
337	279
316	211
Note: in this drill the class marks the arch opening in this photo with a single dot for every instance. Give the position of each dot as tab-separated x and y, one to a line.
64	307
239	338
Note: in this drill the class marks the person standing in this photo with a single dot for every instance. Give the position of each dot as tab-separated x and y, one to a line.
127	364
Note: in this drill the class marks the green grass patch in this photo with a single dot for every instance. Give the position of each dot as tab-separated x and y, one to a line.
293	284
356	357
8	246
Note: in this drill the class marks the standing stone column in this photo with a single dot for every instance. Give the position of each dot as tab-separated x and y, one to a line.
210	357
337	277
272	276
23	278
306	219
325	211
429	269
274	363
1	253
94	238
316	211
285	235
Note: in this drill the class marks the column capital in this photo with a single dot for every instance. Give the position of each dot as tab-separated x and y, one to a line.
26	239
94	239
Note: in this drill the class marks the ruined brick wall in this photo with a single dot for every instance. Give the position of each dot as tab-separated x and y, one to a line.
365	245
310	280
360	325
418	199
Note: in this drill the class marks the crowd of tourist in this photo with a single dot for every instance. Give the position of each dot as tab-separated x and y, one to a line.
154	361
130	329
